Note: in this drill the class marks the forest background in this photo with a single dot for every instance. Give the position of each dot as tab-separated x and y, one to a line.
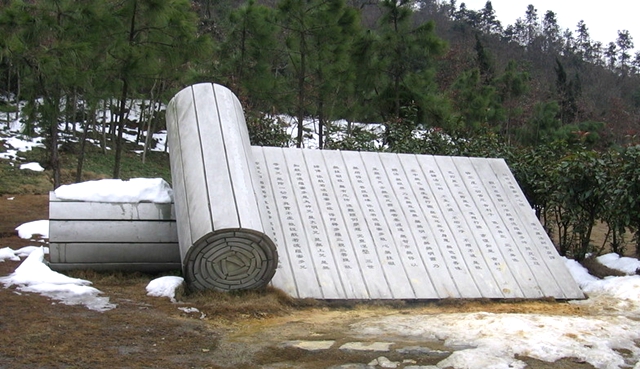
561	108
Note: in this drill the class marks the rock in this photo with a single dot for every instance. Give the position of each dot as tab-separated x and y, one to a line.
309	345
383	362
419	350
351	366
367	346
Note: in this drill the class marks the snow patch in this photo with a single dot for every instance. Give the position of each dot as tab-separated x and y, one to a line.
33	275
7	253
623	264
115	190
494	340
36	167
165	287
31	229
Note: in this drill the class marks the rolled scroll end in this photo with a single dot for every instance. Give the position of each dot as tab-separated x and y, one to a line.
231	259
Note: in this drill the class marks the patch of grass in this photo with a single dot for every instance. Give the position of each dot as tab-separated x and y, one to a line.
114	278
225	306
7	108
21	182
96	166
156	166
241	304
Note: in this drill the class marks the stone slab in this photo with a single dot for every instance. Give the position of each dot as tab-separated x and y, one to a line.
361	225
367	346
112	236
309	345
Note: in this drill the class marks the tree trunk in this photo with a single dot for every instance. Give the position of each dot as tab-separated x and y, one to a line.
83	143
18	92
151	120
320	124
103	141
55	158
301	103
123	98
141	121
9	93
301	95
121	119
147	139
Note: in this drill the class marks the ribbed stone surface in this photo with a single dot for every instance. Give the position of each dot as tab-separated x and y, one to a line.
221	233
231	260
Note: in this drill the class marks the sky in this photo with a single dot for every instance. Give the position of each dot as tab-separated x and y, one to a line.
603	19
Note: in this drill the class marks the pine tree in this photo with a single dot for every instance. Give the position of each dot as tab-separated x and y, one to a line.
510	87
625	43
532	25
550	32
489	22
330	69
612	55
405	58
567	92
476	102
54	41
317	36
153	39
484	61
250	52
584	45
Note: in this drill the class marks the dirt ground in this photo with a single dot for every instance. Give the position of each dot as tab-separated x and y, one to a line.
236	331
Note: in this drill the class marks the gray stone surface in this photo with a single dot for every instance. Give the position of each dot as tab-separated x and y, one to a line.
309	345
420	350
383	362
361	225
367	346
112	236
351	366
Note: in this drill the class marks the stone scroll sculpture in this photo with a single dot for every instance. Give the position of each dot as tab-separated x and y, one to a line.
317	223
221	234
348	225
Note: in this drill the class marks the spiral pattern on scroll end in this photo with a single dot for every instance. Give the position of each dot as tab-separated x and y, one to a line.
231	260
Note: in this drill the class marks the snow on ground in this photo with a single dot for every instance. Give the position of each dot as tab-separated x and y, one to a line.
31	229
33	275
493	340
624	264
337	132
15	142
165	287
7	253
36	167
18	143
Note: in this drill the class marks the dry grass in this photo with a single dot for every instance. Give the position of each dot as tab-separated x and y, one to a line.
599	270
